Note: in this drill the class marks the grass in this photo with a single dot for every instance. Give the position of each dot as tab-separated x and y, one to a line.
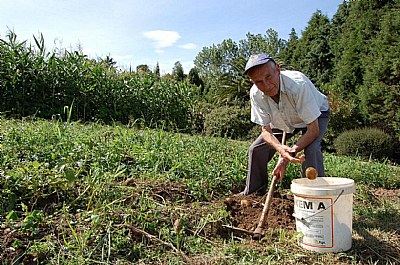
77	193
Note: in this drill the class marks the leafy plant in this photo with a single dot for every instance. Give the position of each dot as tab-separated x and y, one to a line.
80	197
41	83
367	142
31	222
230	121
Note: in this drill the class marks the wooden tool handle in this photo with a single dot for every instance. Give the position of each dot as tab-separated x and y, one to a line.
268	200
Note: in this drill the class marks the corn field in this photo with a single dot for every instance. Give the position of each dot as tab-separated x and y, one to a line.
68	85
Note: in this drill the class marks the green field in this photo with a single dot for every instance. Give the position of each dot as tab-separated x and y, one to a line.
77	193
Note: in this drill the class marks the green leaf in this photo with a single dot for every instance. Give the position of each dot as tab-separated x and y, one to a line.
23	169
70	175
17	243
36	164
12	216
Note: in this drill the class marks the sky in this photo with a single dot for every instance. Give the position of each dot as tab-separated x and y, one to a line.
135	32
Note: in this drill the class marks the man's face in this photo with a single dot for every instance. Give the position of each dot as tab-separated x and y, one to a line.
266	78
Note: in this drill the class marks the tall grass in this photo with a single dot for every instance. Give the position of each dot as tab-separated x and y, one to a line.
39	82
62	153
74	194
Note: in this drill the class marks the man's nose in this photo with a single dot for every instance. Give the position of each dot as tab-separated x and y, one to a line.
266	83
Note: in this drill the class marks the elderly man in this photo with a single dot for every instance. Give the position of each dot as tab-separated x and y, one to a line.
283	101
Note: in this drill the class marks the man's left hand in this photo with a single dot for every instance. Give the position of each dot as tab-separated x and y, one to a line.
280	168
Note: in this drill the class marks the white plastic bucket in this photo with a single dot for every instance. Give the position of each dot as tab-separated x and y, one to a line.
323	209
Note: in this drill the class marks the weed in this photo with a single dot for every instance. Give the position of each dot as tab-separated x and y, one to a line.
86	194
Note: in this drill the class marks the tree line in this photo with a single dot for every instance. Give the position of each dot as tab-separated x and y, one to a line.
354	58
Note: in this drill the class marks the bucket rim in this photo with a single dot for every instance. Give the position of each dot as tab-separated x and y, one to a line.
323	186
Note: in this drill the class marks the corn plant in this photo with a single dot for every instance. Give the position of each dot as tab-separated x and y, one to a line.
41	83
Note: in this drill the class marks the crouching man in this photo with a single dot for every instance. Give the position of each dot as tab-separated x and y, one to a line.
283	101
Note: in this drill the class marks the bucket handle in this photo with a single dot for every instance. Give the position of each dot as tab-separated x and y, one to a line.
303	219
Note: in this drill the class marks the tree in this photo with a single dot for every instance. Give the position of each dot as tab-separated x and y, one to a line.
356	25
195	79
212	62
287	53
157	71
380	92
312	53
269	43
143	69
177	72
221	66
235	87
365	43
215	60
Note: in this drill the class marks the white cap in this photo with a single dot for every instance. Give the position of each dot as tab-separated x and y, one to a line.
257	59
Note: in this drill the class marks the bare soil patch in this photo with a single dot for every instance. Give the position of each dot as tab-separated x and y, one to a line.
386	194
245	211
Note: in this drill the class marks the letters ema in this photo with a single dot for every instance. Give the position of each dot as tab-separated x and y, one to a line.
309	205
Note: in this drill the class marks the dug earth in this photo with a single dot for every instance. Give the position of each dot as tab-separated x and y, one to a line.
245	211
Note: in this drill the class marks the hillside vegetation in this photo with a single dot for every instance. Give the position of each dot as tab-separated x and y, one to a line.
89	194
101	165
352	58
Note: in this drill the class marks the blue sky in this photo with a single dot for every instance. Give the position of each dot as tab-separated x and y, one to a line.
137	32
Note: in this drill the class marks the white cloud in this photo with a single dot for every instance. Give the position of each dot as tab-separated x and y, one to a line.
124	61
162	38
188	46
127	57
167	66
90	52
187	65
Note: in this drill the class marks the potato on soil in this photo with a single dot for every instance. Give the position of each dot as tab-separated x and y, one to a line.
245	203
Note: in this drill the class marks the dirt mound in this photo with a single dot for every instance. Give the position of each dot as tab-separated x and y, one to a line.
390	195
245	211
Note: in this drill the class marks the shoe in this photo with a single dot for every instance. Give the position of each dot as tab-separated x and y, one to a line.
238	194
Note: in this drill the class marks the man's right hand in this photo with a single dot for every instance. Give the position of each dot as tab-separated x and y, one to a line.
287	153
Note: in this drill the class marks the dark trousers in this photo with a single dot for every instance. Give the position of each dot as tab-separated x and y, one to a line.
260	154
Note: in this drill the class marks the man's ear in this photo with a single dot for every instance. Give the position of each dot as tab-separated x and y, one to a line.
278	67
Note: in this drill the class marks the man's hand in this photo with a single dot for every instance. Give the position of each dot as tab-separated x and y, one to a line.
280	168
289	154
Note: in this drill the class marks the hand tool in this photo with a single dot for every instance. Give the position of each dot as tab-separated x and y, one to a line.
258	232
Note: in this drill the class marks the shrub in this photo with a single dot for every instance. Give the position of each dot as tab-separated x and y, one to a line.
254	132
199	113
365	142
344	116
228	121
